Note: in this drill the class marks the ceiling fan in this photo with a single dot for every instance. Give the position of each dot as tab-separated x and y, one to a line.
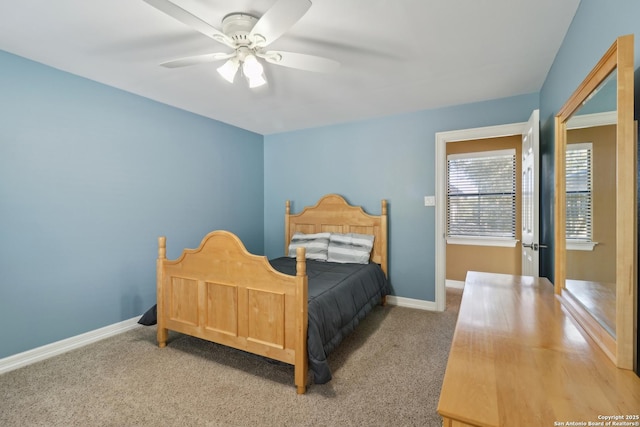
248	36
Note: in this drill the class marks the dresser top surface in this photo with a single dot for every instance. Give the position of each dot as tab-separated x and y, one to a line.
517	358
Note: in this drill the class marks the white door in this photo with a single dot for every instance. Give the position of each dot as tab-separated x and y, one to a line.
530	195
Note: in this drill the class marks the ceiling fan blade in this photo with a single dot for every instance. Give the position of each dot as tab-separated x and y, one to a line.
277	20
199	59
191	20
300	61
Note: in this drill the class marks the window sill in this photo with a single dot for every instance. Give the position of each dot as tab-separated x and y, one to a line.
577	245
487	241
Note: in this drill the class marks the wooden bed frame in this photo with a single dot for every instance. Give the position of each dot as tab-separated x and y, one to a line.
221	293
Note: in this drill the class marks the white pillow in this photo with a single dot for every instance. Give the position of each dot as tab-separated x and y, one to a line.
316	245
350	248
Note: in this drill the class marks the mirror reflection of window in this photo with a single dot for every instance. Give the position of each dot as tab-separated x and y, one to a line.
579	169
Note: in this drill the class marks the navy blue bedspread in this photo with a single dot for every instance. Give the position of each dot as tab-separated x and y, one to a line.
340	296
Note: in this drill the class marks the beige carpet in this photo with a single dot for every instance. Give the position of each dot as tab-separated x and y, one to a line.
387	373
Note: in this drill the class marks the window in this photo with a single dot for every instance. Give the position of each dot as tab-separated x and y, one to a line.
579	167
481	196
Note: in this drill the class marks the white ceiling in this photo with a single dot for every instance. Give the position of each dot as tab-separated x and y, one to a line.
396	56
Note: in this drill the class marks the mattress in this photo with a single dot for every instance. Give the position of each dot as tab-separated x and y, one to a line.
340	296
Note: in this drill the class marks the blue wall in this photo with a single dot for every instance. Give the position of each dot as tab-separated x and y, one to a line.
389	158
90	176
595	27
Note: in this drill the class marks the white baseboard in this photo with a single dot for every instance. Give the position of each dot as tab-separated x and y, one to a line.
422	304
455	284
412	303
50	350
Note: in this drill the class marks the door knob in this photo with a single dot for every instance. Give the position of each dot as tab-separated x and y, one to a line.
533	246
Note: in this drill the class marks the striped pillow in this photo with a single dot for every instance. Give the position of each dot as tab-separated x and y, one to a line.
350	248
316	245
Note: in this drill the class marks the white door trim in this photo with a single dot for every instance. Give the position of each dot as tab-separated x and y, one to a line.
442	138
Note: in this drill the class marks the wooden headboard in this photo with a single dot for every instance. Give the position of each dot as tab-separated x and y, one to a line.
332	213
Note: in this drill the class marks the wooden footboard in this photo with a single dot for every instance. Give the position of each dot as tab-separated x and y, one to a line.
222	293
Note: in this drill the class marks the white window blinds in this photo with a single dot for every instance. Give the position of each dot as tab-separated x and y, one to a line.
481	194
579	209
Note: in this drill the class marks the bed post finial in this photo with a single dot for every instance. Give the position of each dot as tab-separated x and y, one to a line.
382	247
301	262
287	235
162	247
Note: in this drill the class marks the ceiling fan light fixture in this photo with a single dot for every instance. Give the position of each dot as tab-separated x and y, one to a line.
229	69
253	71
251	67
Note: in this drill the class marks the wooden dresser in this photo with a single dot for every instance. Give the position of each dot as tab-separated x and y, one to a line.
518	359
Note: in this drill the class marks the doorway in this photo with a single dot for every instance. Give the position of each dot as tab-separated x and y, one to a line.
442	138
